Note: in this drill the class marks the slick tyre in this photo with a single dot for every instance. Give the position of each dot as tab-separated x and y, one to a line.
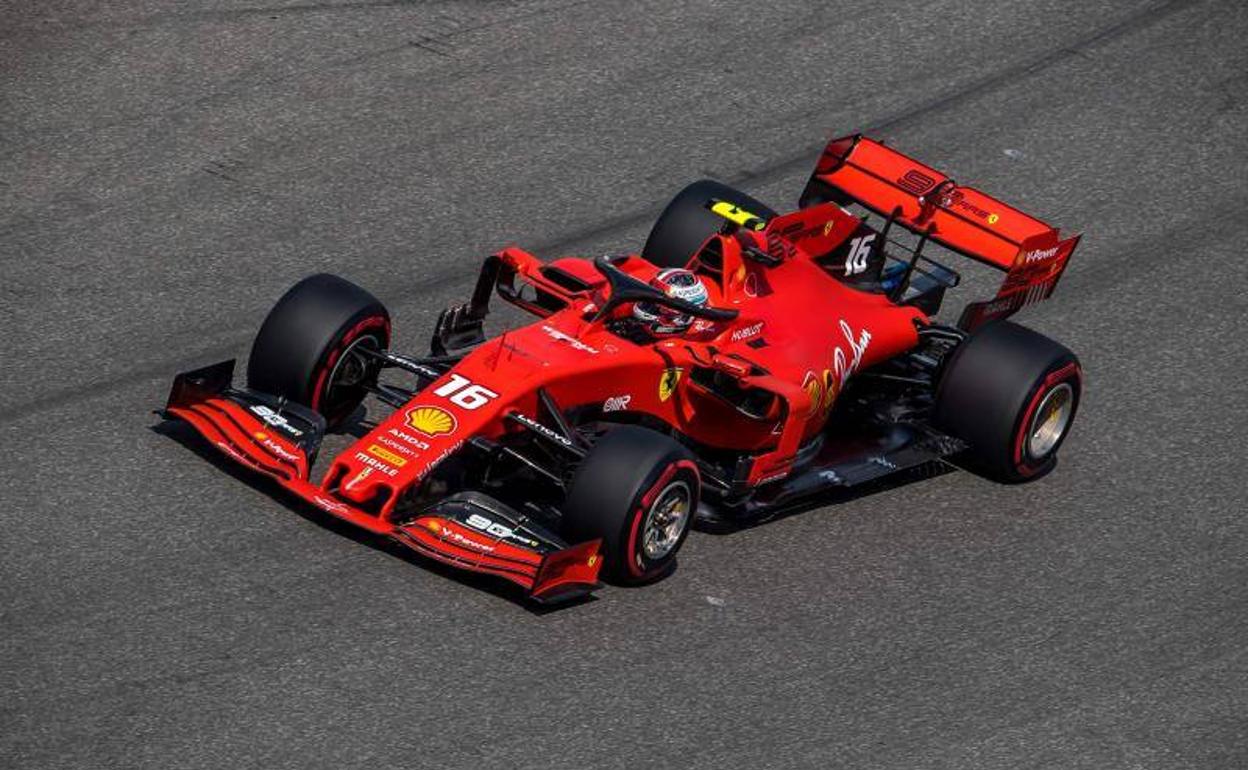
687	222
638	491
1012	394
309	348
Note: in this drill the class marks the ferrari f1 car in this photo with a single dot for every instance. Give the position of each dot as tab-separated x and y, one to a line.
743	361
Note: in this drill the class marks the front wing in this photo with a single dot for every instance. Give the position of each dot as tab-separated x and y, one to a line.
473	532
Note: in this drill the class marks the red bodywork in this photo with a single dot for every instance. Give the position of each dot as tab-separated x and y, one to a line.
800	335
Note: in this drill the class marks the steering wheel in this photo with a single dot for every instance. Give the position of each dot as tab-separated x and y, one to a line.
623	289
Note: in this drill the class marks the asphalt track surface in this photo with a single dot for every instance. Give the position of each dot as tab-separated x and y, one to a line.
167	169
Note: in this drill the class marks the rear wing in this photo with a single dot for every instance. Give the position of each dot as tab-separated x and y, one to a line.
855	169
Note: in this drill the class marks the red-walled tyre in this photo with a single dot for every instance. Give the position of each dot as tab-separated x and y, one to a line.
1012	394
308	349
687	222
638	490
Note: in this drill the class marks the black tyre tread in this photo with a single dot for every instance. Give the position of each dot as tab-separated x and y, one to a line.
686	223
623	465
302	329
984	387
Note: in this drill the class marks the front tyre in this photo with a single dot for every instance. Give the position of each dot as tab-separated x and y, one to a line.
1012	394
310	347
638	491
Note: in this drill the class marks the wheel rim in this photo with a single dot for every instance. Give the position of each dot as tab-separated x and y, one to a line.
1051	419
666	520
350	372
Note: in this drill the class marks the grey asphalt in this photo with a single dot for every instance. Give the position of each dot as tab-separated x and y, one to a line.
166	170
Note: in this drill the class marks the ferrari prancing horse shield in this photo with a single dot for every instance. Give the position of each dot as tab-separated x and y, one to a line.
667	383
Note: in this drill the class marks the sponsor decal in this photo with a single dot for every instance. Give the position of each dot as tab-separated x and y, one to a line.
387	455
450	450
451	534
830	390
568	338
232	452
431	420
745	332
333	506
376	464
814	389
446	533
414	366
959	200
915	182
668	381
397	446
408	438
796	231
274	419
993	218
617	403
537	427
429	465
268	443
738	215
1038	255
843	365
477	521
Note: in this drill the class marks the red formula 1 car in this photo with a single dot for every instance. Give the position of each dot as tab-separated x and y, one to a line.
743	361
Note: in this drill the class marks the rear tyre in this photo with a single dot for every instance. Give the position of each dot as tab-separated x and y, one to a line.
1012	394
309	348
638	490
687	222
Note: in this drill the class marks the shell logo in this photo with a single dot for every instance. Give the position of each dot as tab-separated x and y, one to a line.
431	420
814	389
830	385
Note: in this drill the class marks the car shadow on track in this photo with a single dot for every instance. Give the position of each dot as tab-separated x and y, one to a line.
191	440
918	474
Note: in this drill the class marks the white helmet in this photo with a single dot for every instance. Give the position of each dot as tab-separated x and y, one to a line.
674	282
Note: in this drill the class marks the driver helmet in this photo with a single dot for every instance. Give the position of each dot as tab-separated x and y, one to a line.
674	282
